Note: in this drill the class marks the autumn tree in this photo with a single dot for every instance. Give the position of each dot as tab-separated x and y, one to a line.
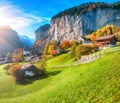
17	55
65	44
77	52
93	38
13	68
51	48
73	42
73	49
42	63
84	50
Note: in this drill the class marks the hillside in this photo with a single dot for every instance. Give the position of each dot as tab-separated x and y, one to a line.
59	60
95	82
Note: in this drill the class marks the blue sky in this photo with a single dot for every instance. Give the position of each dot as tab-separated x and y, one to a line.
25	16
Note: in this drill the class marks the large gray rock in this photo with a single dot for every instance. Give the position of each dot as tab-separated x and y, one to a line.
9	40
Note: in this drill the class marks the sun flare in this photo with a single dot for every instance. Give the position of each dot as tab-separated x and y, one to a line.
3	20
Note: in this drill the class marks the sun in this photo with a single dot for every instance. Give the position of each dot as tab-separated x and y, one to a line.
3	20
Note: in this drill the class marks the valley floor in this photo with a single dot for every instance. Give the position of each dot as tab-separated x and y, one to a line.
95	82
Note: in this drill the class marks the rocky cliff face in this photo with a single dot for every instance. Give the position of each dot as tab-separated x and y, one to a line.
42	32
79	21
9	40
76	22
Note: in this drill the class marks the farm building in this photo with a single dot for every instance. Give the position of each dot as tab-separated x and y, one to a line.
106	41
28	71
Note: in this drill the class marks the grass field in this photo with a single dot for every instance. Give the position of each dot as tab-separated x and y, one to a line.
59	60
95	82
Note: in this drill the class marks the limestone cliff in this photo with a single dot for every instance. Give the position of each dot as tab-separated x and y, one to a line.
78	21
42	32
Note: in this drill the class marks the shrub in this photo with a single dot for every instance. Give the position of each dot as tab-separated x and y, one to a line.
84	50
65	44
73	42
77	52
72	51
53	52
118	44
42	63
13	68
7	67
18	55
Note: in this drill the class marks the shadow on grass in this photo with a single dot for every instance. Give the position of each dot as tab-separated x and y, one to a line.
54	73
30	80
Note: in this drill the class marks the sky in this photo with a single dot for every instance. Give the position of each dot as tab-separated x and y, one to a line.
25	16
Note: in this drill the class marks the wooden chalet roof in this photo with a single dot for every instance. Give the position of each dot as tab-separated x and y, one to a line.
26	66
105	37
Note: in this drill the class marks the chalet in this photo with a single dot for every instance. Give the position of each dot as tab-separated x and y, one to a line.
30	70
106	41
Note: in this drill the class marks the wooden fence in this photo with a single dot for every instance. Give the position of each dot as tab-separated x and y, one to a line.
91	57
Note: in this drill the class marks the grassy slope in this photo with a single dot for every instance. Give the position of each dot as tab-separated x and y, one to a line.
93	82
59	60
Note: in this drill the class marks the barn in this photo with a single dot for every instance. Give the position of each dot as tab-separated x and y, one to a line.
28	71
106	41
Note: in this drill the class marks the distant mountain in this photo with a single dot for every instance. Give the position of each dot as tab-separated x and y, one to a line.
42	32
26	41
9	40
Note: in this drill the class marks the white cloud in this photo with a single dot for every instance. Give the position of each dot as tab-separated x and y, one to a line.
16	17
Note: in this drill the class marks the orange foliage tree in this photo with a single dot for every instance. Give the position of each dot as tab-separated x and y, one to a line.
17	55
13	68
65	44
53	52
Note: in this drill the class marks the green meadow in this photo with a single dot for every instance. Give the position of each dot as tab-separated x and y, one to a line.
95	82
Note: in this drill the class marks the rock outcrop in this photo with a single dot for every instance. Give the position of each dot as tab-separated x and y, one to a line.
9	40
42	32
76	22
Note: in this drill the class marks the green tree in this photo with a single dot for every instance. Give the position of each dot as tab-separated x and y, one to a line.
73	51
78	53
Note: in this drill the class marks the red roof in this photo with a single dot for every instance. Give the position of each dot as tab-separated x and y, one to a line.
105	37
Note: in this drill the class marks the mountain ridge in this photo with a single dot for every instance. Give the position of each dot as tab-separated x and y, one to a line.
86	7
9	40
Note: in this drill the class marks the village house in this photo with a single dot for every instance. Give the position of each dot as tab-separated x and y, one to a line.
30	70
106	41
